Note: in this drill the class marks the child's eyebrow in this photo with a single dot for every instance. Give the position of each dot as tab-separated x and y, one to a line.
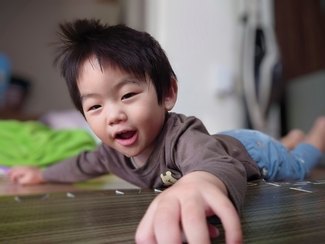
87	95
126	81
116	87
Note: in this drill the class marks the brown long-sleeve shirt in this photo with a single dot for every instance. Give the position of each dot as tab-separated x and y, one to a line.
184	145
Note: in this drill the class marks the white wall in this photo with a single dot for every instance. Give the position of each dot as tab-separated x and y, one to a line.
202	40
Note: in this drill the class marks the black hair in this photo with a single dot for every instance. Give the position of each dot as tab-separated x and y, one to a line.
117	46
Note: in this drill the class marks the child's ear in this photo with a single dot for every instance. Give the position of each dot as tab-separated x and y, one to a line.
171	97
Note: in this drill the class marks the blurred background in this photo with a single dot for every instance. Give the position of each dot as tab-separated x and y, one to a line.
240	63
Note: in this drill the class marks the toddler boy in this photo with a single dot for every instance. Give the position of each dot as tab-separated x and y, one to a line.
123	84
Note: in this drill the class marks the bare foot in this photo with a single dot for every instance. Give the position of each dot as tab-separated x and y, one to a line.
293	138
316	136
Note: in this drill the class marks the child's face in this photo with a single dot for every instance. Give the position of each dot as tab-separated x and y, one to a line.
121	110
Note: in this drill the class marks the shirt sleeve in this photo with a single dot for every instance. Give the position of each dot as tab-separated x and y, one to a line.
199	151
86	165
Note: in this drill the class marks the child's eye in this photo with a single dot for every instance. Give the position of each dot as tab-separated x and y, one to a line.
94	107
128	95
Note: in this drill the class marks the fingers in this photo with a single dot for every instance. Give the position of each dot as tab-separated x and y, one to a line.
160	223
213	231
195	226
25	175
17	177
179	213
163	220
24	179
145	231
229	219
15	173
167	219
194	221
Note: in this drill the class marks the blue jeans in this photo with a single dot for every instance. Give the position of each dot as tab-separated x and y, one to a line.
275	161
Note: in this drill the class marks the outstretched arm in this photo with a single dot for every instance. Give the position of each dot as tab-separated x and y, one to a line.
86	165
182	210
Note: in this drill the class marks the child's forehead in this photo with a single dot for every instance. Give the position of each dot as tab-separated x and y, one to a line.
102	66
93	64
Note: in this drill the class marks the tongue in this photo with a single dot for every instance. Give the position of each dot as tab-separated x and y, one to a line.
126	135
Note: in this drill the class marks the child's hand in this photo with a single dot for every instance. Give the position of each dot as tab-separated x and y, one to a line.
26	175
182	209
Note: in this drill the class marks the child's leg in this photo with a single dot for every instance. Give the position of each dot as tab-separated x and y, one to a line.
316	136
275	161
312	145
292	139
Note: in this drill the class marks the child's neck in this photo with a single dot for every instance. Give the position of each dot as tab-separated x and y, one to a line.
138	162
133	163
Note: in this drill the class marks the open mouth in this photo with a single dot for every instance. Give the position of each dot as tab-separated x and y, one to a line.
125	135
127	138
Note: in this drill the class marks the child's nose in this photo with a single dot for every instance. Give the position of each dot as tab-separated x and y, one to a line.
115	116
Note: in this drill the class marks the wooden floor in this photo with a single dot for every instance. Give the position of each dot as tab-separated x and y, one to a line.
94	212
286	212
317	174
